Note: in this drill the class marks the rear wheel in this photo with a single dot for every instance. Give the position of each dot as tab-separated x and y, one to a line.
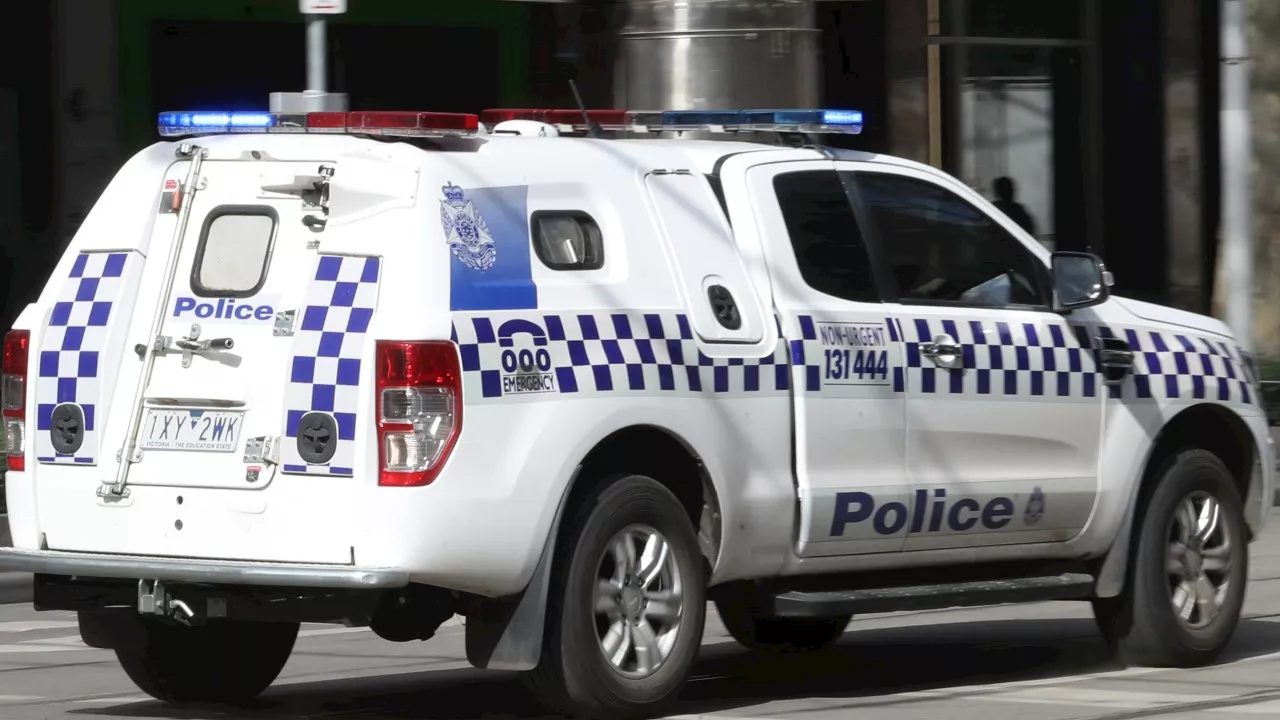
627	604
761	633
223	661
1186	586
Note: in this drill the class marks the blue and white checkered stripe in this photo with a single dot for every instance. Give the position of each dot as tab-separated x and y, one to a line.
77	344
1004	359
1181	366
325	362
589	353
1060	361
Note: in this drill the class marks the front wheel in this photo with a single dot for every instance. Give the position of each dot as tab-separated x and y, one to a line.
224	661
1187	583
627	604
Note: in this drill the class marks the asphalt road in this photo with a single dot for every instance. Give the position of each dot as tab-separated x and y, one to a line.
999	663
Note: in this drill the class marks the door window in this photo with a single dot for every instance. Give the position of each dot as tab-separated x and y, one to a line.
943	250
829	247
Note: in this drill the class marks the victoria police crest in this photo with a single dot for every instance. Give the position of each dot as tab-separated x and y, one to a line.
1035	507
465	230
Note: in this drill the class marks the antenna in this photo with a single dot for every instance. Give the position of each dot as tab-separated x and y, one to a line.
813	140
593	129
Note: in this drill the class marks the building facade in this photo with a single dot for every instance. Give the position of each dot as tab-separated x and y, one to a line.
1102	113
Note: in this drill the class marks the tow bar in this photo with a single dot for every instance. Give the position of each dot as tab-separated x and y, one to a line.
154	599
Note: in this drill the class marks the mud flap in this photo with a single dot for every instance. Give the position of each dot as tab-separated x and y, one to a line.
507	634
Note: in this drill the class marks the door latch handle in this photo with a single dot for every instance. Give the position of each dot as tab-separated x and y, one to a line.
944	351
191	345
1115	360
938	350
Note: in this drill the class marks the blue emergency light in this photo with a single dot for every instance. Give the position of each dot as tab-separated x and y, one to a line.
185	123
806	121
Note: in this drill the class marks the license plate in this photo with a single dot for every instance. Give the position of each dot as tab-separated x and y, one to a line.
198	430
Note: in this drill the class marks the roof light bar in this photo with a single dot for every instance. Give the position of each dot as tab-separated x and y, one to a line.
813	121
422	124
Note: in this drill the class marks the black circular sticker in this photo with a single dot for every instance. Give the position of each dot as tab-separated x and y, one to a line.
317	438
66	430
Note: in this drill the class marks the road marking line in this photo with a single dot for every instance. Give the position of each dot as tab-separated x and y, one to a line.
1096	697
68	641
29	625
114	700
331	631
35	648
1270	707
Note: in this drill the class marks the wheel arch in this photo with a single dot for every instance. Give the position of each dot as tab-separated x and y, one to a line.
507	634
1207	426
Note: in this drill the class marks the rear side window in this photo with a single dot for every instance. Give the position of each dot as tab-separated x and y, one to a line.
825	236
567	240
235	249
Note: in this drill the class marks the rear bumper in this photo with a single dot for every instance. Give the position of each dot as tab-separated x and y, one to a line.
221	572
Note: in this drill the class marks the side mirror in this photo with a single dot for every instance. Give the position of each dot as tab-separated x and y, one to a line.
1080	280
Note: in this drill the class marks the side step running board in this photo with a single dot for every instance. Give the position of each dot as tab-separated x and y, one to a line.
1068	586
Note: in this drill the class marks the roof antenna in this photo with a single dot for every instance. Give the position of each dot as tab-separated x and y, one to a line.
593	129
814	140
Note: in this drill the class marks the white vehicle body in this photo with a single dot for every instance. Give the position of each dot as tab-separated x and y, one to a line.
825	443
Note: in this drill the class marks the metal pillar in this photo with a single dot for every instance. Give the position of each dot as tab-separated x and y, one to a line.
1237	185
714	54
316	70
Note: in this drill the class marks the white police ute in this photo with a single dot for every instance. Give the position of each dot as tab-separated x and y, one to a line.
572	375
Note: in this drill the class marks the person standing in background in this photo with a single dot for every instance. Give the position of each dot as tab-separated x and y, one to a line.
1006	194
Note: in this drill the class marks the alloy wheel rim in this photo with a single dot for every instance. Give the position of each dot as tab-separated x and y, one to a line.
638	601
1198	560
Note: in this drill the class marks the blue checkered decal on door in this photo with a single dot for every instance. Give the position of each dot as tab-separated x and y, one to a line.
325	363
1060	361
588	353
77	344
1005	359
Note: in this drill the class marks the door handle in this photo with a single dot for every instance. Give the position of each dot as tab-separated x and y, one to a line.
933	350
1115	359
944	351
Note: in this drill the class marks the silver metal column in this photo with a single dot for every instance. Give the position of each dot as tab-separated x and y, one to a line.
718	54
316	69
1236	266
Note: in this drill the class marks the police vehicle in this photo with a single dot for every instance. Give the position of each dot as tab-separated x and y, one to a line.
572	375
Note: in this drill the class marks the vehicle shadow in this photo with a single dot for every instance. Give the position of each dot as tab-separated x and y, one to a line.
869	669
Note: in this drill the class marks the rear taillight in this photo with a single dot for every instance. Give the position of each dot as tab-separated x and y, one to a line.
419	409
13	397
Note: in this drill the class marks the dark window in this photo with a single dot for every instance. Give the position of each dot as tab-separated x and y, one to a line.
942	249
567	240
829	247
235	248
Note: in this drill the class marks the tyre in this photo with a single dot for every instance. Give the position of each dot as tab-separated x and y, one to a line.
224	662
626	606
758	632
1186	583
